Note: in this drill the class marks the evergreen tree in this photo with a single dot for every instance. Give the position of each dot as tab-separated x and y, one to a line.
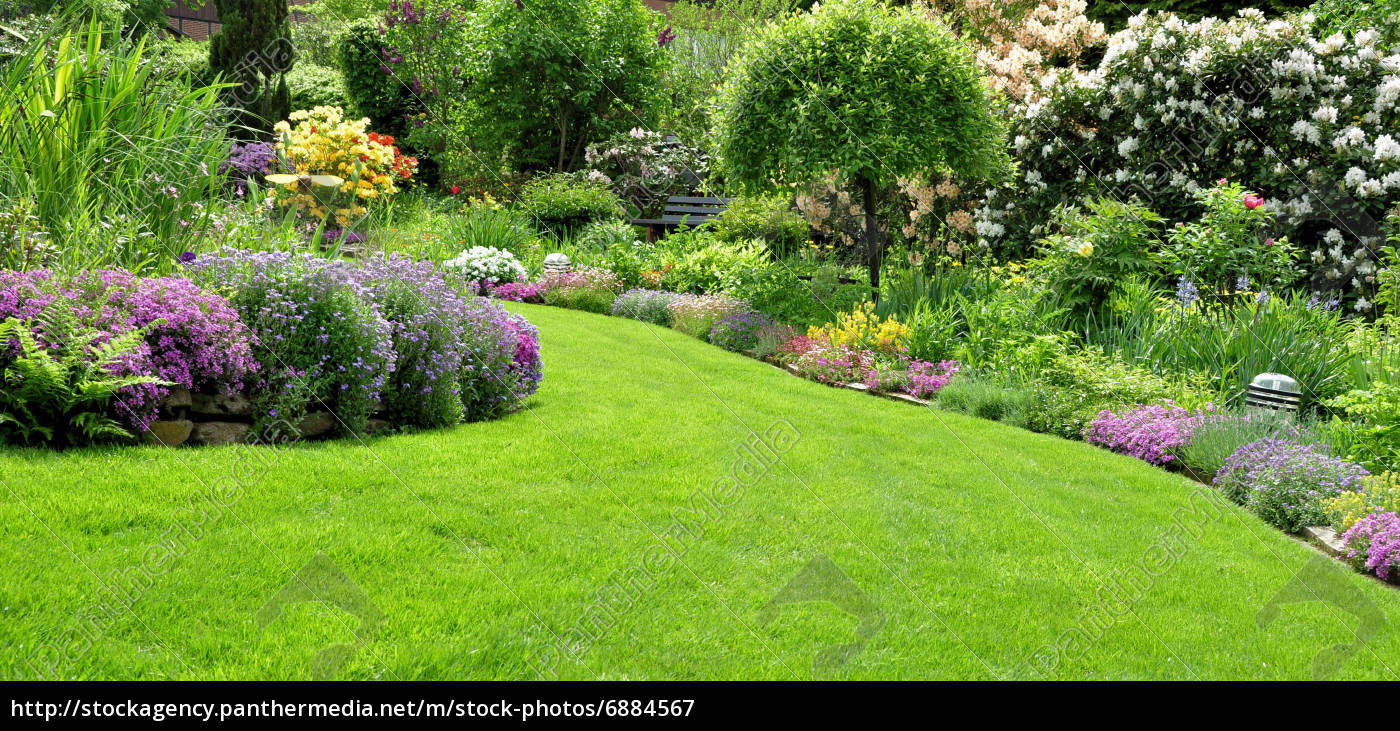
253	50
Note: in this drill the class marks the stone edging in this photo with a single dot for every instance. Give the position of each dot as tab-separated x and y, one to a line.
862	387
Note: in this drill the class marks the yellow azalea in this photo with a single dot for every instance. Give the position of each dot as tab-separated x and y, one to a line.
322	140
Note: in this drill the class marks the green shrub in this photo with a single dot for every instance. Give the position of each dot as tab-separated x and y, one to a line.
702	264
1228	250
547	82
371	92
775	290
1075	386
1097	249
312	86
605	235
177	58
561	205
769	218
1369	419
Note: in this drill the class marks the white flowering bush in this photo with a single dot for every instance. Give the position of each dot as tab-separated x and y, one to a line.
1309	123
487	263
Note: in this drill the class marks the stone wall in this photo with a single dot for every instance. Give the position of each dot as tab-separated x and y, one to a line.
211	418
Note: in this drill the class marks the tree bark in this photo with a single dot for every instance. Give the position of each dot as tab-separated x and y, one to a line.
873	244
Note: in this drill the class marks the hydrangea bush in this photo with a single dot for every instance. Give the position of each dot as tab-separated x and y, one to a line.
1286	483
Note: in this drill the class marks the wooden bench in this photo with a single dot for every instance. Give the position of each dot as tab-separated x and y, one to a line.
682	210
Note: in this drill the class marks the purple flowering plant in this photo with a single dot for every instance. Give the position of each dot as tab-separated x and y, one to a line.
322	343
1285	482
1153	433
194	339
1373	543
739	332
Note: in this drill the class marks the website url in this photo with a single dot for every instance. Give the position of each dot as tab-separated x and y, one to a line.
216	712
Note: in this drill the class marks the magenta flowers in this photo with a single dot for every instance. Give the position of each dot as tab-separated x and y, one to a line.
1374	542
1150	433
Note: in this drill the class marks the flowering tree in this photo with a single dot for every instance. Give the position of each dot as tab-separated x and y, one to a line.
867	93
1308	123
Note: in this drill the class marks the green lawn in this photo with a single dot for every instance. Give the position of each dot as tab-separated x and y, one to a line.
969	547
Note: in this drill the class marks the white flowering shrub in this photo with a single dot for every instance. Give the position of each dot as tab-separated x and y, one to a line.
1309	123
487	263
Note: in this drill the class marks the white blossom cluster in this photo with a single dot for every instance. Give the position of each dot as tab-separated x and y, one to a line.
487	263
1311	123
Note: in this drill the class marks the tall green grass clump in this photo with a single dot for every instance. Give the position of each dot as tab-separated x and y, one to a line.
116	164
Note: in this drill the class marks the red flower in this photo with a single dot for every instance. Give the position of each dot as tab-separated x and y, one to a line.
456	190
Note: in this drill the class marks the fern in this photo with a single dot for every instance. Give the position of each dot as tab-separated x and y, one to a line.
59	384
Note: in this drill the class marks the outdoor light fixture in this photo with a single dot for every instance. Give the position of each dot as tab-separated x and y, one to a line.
557	263
1272	392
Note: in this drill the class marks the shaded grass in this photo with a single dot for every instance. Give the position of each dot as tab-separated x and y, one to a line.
979	544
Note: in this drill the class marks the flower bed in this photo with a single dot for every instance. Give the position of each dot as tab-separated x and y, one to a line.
257	344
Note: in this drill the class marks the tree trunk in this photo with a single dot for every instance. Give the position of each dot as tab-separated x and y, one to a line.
873	244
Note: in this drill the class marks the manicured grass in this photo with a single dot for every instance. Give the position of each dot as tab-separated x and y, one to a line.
973	544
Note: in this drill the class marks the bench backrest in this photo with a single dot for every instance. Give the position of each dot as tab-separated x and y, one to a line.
692	210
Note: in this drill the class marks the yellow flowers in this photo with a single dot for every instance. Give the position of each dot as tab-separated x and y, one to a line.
1085	250
1378	494
863	329
324	142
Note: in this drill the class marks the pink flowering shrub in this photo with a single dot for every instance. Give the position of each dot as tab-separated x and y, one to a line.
194	339
1151	433
1374	543
587	289
514	292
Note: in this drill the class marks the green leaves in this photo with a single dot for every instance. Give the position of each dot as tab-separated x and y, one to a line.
855	86
57	392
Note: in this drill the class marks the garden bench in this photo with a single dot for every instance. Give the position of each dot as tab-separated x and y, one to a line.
682	210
